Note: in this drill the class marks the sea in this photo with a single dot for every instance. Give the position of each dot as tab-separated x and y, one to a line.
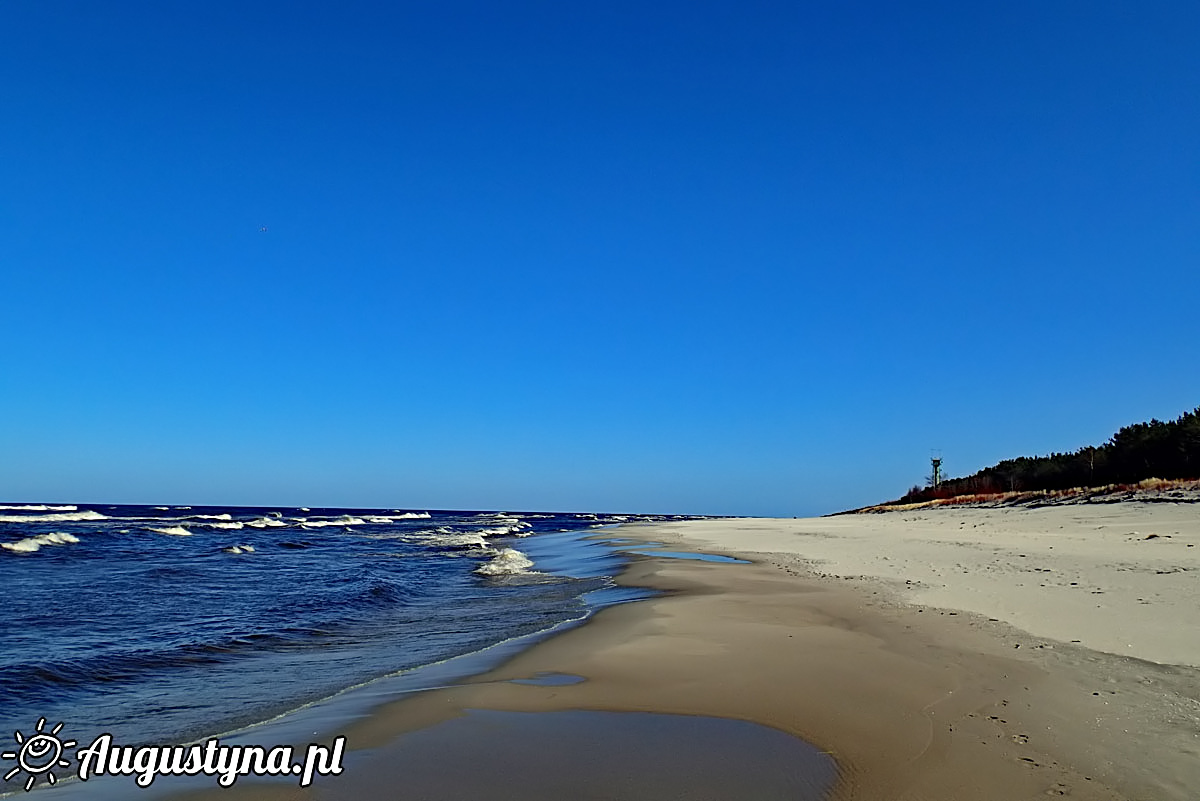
170	624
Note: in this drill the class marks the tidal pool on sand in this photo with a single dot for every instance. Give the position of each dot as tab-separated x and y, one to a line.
551	680
587	755
699	557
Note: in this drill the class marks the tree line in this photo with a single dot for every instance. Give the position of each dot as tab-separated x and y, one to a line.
1157	449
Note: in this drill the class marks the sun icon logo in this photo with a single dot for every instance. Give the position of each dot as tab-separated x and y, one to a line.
39	753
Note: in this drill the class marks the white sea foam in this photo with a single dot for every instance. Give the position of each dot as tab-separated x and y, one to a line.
452	539
239	549
344	520
64	517
510	522
508	562
401	516
305	509
266	522
210	517
500	517
162	508
233	525
520	529
39	507
31	544
177	531
394	518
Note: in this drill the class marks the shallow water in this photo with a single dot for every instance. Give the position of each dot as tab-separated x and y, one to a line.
551	680
698	557
588	755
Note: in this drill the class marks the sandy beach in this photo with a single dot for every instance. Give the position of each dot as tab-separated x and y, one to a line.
939	654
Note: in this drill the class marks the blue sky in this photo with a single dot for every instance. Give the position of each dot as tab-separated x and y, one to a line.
703	257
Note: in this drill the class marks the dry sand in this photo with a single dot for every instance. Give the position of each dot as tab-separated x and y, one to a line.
928	652
1122	577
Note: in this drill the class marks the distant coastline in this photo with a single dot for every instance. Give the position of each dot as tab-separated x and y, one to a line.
1150	490
1141	456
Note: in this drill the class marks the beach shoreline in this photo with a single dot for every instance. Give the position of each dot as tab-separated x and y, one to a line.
816	636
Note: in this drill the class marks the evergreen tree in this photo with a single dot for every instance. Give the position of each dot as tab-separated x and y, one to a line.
1157	449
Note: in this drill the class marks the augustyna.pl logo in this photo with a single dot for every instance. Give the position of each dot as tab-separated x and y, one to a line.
42	752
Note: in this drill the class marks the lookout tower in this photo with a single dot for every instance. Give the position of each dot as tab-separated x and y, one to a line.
936	478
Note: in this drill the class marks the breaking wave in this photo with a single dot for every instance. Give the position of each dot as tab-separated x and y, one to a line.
473	539
344	520
520	529
402	516
64	517
177	531
507	562
266	522
39	507
31	544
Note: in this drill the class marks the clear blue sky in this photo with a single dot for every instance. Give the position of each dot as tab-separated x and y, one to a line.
702	257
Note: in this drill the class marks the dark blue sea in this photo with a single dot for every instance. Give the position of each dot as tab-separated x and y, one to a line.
170	624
